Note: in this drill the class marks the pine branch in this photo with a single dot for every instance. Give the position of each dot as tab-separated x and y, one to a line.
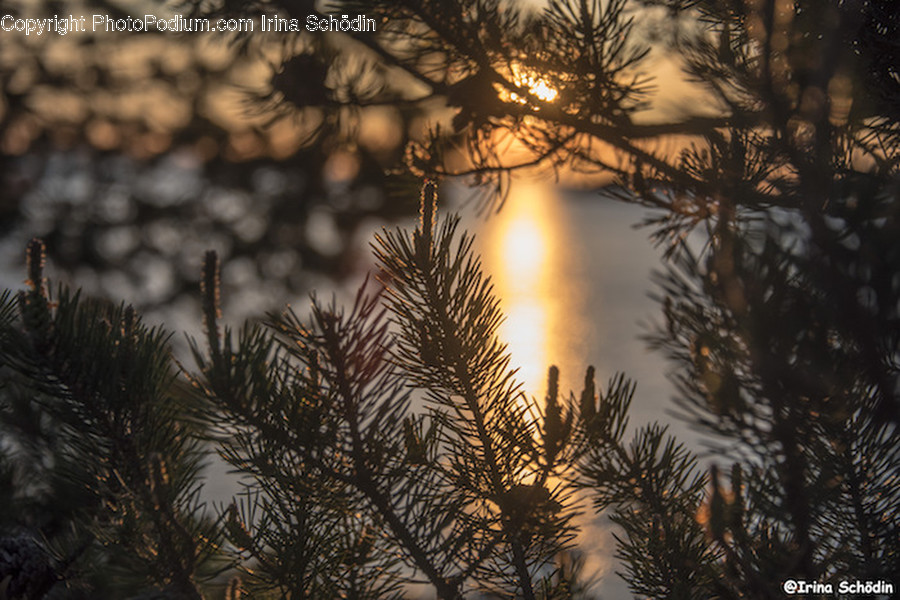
106	381
655	493
446	319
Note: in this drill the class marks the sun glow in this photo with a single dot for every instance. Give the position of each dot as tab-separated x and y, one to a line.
537	86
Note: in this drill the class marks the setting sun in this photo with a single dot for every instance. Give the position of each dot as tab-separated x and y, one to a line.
537	86
540	88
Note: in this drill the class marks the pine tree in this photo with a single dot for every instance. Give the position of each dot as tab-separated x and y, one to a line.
104	476
351	493
784	325
388	443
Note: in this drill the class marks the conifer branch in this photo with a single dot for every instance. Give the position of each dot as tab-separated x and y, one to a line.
106	381
447	318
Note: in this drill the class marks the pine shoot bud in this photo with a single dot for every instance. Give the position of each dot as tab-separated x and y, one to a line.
589	396
209	289
34	257
424	233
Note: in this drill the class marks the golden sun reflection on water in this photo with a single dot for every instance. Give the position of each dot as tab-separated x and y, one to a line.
525	253
538	267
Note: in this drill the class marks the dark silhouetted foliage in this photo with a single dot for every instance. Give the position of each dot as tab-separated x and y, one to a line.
777	208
